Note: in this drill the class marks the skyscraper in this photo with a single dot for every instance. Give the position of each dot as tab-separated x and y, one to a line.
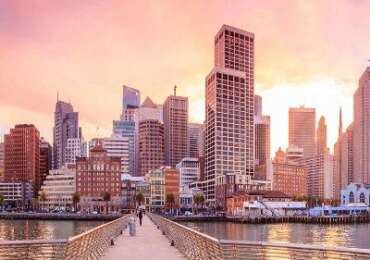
22	155
1	162
321	143
361	130
229	137
262	139
175	119
302	126
151	146
130	101
65	127
257	105
195	140
45	159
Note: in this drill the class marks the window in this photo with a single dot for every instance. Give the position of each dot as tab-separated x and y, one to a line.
362	197
351	197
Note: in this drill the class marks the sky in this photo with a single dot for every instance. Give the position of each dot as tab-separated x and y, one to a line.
308	53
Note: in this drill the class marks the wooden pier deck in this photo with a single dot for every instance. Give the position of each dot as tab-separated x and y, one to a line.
149	243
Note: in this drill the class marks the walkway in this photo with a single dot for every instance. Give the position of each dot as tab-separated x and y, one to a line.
149	243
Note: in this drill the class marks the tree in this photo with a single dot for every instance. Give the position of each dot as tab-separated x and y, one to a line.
140	198
198	199
170	200
35	203
75	199
106	197
2	198
42	196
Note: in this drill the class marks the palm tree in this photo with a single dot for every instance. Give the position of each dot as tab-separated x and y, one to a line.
106	197
42	196
75	199
140	198
2	198
198	199
170	200
35	203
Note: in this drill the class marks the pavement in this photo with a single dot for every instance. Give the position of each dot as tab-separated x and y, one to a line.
149	243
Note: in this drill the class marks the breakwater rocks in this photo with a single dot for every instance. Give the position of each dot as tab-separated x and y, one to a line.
58	216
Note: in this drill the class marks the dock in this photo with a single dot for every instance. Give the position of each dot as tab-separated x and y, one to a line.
149	243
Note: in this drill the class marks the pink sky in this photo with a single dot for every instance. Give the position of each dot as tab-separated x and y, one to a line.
307	52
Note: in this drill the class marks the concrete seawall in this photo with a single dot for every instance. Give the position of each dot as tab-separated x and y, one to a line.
59	216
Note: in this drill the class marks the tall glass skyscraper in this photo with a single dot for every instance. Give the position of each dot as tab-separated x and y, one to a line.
130	101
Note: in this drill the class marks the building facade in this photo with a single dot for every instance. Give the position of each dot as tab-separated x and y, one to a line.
2	154
59	187
262	140
175	119
151	146
361	130
229	135
356	193
65	127
321	142
46	159
302	124
96	175
75	147
22	155
130	101
189	171
195	140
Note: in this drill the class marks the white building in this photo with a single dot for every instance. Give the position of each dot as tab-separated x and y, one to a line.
75	147
16	193
356	193
59	187
189	171
116	146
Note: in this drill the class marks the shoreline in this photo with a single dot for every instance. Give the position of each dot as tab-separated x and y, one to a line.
325	220
58	216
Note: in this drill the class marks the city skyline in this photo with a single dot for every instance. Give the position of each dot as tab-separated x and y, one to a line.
75	65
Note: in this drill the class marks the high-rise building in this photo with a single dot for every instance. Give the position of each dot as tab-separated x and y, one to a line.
321	143
361	130
343	161
22	155
189	171
65	127
195	140
151	146
130	101
116	147
302	124
175	119
1	162
319	170
229	135
126	129
45	159
288	176
262	139
96	175
76	147
257	105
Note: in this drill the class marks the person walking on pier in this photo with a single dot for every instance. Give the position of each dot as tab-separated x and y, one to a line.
141	217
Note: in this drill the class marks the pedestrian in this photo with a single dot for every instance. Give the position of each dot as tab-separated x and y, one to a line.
141	217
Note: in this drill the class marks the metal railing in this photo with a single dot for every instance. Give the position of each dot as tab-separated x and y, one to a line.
196	245
88	245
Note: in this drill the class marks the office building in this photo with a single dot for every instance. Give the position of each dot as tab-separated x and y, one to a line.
65	127
175	119
257	105
229	135
2	162
262	139
130	102
361	130
189	171
302	124
22	155
45	159
321	143
151	145
96	175
195	140
75	147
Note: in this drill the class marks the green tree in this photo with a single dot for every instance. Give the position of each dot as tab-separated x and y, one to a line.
42	196
35	203
75	199
170	200
106	197
198	199
2	199
140	198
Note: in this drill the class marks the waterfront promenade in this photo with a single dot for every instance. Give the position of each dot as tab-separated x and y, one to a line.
149	243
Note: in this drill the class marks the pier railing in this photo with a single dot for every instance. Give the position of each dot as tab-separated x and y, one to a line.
88	245
196	245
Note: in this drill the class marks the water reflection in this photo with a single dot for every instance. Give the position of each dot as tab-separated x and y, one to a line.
43	229
331	235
